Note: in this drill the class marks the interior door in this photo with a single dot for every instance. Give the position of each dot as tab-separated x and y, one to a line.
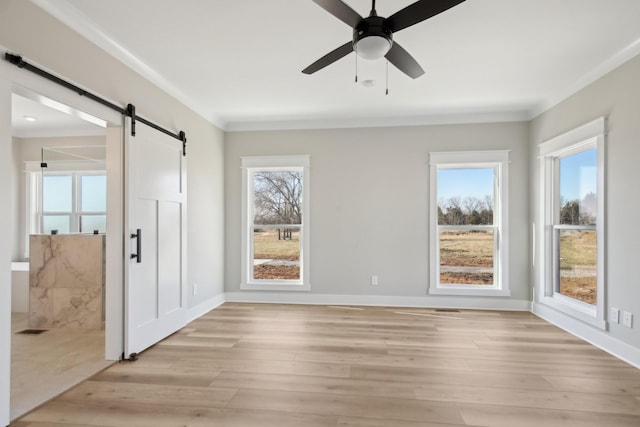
155	273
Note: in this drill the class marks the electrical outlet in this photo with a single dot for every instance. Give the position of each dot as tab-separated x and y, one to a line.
614	315
627	319
374	280
195	289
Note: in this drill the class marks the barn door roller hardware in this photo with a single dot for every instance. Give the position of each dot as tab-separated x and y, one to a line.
130	111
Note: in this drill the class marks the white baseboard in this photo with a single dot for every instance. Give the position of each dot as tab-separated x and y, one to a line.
204	307
380	300
597	337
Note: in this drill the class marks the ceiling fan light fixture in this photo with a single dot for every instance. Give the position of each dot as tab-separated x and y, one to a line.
373	36
373	47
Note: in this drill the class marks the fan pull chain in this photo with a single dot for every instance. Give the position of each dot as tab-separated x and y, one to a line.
387	91
356	68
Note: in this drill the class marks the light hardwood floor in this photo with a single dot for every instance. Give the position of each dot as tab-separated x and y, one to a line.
43	366
245	365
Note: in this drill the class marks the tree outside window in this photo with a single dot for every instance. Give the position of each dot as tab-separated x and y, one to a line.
275	235
469	223
277	219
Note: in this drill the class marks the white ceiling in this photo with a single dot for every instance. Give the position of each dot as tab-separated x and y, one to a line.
238	63
51	119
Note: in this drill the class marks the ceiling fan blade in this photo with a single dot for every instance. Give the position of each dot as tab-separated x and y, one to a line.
330	58
404	61
418	12
341	11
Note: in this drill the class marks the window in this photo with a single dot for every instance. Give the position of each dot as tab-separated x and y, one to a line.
571	168
70	197
71	202
276	216
468	223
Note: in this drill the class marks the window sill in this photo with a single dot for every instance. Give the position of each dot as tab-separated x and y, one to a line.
275	286
470	291
578	311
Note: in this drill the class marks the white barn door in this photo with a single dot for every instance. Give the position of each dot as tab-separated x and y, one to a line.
155	273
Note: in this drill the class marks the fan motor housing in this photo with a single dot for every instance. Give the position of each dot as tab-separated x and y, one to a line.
372	26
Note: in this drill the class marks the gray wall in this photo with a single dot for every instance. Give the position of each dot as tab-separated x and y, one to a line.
369	202
617	97
64	52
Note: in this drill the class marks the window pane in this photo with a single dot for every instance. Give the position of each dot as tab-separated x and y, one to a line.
466	257
57	193
465	196
578	265
578	188
94	193
89	223
277	197
276	254
56	222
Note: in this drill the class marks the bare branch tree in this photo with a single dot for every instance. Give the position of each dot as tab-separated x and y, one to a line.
277	197
470	211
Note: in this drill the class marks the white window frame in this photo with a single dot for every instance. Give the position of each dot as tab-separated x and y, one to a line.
253	164
33	199
585	137
499	161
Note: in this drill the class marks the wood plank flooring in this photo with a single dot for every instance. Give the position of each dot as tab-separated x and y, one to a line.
245	365
43	366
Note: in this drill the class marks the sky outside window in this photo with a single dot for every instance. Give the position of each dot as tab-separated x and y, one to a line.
578	175
465	183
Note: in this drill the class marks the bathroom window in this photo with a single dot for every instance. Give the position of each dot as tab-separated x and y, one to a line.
71	203
66	201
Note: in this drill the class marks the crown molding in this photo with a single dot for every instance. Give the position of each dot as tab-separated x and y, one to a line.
76	20
66	13
380	121
613	62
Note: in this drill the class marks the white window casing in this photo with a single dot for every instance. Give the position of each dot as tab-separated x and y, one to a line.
498	160
253	164
583	138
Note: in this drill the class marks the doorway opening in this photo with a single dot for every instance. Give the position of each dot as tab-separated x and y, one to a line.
60	260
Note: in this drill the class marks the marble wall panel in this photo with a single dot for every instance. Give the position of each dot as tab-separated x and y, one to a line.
66	281
40	308
77	308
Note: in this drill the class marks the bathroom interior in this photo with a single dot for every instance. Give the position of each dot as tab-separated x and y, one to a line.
58	236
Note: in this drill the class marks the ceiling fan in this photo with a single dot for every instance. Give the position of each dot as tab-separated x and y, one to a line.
373	35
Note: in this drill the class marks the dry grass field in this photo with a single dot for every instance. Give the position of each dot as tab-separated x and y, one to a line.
466	257
578	255
283	255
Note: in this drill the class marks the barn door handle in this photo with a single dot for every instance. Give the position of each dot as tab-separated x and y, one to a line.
138	236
